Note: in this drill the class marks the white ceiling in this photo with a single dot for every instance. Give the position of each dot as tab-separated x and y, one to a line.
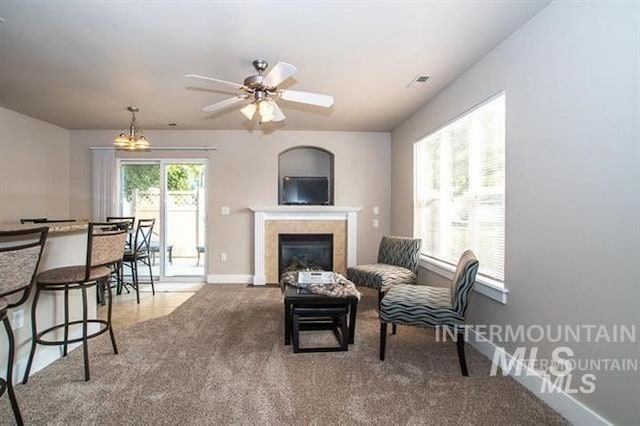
80	64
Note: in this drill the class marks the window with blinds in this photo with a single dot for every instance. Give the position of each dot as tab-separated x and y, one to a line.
459	189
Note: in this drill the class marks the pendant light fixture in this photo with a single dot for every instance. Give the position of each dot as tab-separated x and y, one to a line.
134	140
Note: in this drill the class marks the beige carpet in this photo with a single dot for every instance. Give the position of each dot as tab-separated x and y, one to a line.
220	359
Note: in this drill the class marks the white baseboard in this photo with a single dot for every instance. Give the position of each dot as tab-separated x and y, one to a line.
565	404
229	279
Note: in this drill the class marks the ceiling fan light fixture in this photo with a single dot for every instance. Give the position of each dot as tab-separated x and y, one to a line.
266	111
249	111
134	141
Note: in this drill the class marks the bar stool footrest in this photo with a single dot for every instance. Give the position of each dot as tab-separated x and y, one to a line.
74	340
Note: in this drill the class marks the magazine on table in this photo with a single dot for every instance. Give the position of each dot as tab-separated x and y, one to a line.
305	278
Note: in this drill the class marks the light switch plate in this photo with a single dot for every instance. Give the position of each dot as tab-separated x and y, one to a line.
223	257
376	210
376	223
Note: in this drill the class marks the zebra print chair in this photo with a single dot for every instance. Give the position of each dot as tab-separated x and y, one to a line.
426	306
397	264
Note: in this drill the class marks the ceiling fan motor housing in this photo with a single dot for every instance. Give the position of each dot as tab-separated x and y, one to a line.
260	65
254	82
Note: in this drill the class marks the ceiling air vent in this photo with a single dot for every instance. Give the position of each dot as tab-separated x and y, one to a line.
419	81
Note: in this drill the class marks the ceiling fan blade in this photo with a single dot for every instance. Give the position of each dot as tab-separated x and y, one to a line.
227	103
278	115
307	98
279	73
236	85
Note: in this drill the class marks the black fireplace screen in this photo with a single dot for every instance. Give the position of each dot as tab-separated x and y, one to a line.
305	251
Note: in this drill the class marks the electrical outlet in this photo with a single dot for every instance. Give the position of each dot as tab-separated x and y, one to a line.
18	319
376	210
223	257
224	210
376	223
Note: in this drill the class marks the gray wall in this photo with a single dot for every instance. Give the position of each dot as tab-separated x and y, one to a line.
572	179
243	172
34	182
34	164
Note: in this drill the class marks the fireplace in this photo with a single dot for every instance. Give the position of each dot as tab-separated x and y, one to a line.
301	251
269	222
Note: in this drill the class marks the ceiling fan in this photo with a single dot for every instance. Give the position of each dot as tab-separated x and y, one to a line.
261	91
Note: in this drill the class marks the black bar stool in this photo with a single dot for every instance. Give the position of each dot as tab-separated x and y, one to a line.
116	271
140	252
105	247
20	255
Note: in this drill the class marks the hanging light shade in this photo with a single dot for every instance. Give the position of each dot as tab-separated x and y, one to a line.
249	111
134	141
121	141
266	111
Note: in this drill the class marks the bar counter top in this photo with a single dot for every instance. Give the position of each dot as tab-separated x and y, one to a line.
54	227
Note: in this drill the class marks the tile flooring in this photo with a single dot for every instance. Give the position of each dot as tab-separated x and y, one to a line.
168	297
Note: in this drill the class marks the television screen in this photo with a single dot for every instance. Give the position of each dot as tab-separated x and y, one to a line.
305	190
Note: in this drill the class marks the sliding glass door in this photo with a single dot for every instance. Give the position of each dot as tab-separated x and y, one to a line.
173	192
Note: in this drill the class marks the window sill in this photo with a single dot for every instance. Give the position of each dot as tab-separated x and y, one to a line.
486	286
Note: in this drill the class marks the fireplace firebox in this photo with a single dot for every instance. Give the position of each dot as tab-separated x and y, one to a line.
301	251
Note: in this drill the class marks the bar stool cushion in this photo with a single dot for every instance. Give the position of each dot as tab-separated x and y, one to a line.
71	274
4	304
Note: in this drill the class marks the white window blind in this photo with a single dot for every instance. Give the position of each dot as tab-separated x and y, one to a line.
459	189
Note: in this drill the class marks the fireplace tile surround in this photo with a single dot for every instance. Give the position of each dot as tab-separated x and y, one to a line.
271	221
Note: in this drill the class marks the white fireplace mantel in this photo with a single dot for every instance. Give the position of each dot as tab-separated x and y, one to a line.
263	214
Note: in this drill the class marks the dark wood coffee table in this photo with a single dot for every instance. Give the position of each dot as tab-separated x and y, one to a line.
297	297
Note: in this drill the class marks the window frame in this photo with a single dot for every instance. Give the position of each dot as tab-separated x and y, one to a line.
487	286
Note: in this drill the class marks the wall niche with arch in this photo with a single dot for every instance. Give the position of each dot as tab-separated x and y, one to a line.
305	176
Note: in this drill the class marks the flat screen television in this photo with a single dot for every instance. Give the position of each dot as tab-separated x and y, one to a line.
305	190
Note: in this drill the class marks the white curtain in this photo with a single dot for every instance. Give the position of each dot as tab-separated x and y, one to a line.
103	184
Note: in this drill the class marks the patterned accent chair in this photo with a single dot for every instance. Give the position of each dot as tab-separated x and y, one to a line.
397	264
426	306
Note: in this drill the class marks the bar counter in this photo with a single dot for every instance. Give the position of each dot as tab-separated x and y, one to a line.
66	245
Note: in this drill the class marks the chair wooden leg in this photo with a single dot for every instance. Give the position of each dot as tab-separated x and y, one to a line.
394	328
461	357
380	296
383	339
9	381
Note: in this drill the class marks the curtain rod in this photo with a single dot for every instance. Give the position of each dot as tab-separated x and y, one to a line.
160	148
